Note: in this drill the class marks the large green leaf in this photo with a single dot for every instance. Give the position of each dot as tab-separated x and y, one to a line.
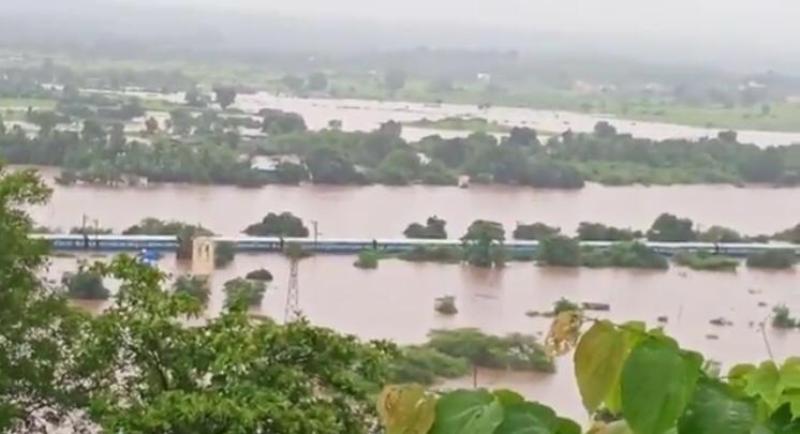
790	374
467	412
567	426
764	382
714	410
657	383
634	332
599	358
406	409
508	397
528	418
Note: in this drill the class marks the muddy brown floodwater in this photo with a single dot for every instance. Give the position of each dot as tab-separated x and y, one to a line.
396	300
384	212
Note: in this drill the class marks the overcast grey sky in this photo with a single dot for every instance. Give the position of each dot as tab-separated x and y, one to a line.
755	18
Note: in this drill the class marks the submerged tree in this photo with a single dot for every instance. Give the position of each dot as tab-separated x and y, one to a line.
434	228
284	224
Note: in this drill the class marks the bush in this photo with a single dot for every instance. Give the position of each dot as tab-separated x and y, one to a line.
296	251
600	232
367	259
720	234
564	305
224	253
559	251
515	351
434	229
85	285
670	228
535	231
782	318
791	235
278	225
250	292
485	229
773	259
261	274
706	261
442	254
423	365
194	286
446	305
624	255
485	253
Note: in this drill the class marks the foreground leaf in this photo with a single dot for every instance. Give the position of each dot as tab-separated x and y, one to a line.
715	410
467	412
657	383
406	409
599	358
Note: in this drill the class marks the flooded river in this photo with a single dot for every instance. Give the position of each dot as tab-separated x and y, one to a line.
396	300
384	212
363	115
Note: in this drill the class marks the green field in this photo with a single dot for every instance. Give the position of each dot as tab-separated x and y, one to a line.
47	104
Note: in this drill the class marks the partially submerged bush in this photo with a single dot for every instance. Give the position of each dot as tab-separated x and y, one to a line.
706	261
443	254
624	255
773	259
250	292
424	365
782	318
261	274
224	253
85	284
515	351
446	305
367	259
194	286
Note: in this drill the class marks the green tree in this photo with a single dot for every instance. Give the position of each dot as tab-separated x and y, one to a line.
229	374
720	234
195	98
261	274
773	259
182	121
151	125
534	231
485	228
224	254
41	368
791	235
670	228
290	173
85	284
559	251
600	232
249	292
276	122
318	81
285	224
433	229
196	287
225	95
